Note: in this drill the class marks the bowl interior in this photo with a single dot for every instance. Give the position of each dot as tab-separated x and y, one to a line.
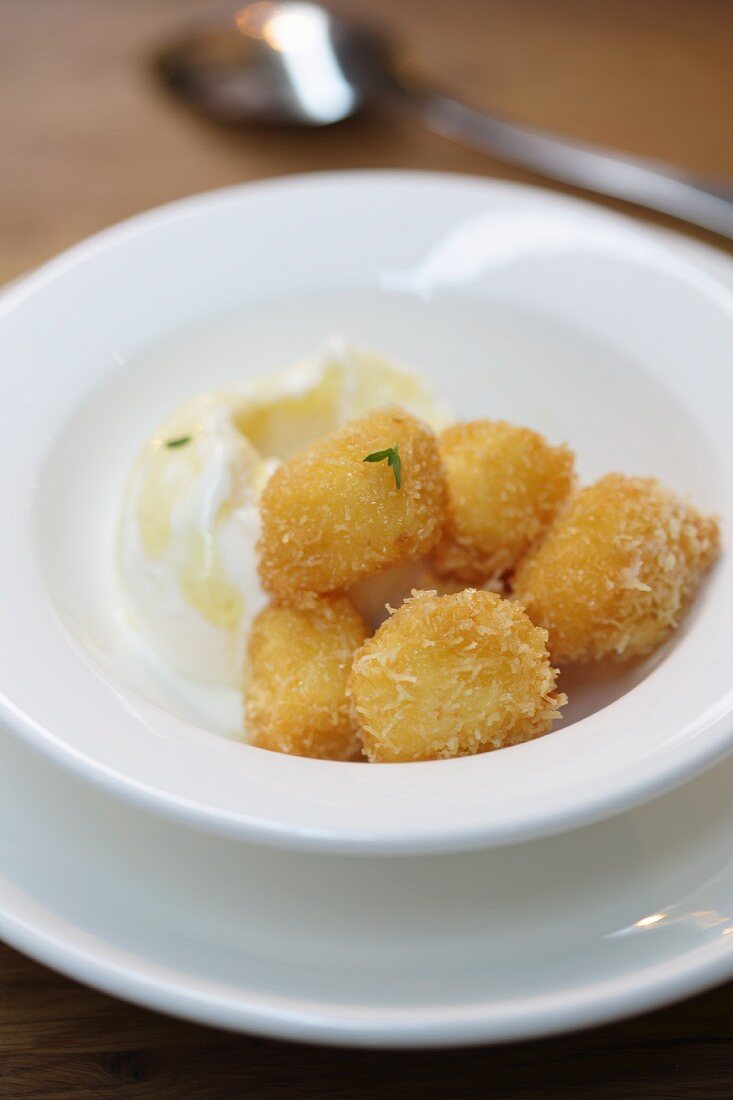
515	305
489	359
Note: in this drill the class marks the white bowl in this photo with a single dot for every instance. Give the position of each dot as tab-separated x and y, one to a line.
518	304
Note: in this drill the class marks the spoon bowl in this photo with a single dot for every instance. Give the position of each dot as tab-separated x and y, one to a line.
278	64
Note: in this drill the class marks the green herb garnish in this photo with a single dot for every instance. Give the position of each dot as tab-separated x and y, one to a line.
180	442
392	454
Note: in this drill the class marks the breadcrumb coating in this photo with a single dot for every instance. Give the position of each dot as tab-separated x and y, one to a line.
505	486
329	518
616	570
451	676
295	691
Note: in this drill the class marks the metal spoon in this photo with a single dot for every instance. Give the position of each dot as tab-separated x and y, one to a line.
294	63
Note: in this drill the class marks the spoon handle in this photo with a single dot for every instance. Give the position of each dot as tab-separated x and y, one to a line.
648	183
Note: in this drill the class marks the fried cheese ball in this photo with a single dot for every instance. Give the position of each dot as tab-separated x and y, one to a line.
505	486
298	663
329	518
452	676
616	570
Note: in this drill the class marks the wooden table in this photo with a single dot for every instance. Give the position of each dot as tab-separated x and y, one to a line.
90	139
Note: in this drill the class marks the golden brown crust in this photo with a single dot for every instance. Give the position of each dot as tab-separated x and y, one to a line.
616	570
505	486
452	676
295	690
329	518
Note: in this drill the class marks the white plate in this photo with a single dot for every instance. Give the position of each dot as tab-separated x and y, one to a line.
519	304
481	947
